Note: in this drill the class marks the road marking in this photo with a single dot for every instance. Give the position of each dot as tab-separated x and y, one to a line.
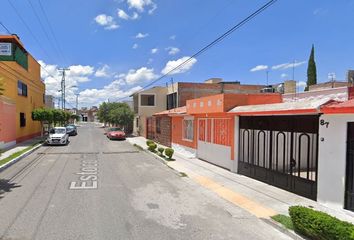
235	198
88	178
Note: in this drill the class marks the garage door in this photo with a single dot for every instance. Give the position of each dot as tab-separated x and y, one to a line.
214	141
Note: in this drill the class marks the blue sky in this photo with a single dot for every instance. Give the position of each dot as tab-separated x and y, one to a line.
115	47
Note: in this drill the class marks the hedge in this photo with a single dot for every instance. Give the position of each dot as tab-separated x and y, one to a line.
169	152
148	142
319	225
152	147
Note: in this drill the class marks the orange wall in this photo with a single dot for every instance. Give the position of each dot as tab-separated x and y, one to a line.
11	72
7	121
177	132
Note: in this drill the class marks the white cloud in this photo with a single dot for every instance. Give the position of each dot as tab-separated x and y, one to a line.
172	50
103	71
140	75
287	65
123	15
170	65
135	46
52	78
142	35
284	75
154	50
141	4
173	37
150	60
259	68
106	21
320	11
301	86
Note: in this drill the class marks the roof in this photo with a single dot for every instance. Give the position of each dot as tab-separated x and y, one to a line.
299	107
338	94
343	107
174	111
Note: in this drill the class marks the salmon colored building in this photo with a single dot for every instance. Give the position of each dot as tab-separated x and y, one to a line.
24	91
206	129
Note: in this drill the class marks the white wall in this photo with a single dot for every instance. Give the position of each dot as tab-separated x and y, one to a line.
332	159
234	166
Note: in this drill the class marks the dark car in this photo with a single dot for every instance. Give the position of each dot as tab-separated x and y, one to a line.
71	130
115	134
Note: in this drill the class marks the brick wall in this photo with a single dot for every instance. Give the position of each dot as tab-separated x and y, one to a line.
188	91
351	93
164	136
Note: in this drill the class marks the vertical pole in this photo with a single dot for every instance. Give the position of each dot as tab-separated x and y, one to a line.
77	104
63	70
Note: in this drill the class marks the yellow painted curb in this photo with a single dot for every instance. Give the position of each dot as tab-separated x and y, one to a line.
251	206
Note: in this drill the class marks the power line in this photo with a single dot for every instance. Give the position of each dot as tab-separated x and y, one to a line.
7	30
217	40
29	29
52	32
42	26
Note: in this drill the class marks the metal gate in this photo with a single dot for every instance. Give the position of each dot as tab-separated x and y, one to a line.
150	128
214	141
281	151
349	188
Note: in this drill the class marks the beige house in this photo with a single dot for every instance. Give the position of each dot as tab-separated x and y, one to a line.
146	103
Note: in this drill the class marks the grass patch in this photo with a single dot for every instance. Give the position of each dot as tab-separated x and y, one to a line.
17	154
284	220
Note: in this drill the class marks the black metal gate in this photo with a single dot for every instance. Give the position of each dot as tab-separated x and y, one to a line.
349	188
281	151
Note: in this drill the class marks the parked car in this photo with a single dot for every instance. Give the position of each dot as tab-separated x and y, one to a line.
71	129
58	136
116	134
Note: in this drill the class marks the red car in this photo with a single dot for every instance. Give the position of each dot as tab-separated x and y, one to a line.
116	134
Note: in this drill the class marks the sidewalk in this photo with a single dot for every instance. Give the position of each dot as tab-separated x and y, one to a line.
260	199
19	147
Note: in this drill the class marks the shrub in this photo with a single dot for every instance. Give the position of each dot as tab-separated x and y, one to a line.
152	147
148	142
169	152
161	150
319	225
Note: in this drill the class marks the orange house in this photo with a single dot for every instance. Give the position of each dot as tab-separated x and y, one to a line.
206	129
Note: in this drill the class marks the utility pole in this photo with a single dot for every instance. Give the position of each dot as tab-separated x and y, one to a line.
77	104
63	86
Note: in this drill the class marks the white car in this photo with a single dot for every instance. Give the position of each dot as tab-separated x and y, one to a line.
58	135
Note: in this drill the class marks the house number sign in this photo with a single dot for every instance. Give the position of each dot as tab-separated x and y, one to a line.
324	123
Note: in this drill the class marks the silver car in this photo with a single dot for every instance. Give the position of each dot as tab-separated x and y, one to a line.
58	136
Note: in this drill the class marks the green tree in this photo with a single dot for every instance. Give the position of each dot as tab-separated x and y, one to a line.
43	115
103	112
311	70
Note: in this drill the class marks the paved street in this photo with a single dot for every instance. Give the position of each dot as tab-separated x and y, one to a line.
100	189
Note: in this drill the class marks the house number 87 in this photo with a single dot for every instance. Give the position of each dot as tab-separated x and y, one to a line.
322	122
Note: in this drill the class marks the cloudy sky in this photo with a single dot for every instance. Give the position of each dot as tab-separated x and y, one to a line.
116	47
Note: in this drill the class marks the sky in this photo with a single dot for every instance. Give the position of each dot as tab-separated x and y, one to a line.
114	48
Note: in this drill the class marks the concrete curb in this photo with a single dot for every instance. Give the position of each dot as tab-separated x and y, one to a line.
283	229
162	160
23	155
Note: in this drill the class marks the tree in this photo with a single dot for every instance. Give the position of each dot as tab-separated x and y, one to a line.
103	113
118	114
42	115
311	70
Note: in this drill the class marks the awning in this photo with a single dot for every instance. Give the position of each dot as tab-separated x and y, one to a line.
174	111
337	108
286	108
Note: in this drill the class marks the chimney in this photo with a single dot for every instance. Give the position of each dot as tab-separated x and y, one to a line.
213	80
289	86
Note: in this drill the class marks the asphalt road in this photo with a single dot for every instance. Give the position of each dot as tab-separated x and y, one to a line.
100	189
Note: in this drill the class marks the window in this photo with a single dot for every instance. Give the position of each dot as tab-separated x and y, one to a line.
22	120
158	125
147	100
171	101
21	89
188	129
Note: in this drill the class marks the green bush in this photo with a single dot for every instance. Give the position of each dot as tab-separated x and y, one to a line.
169	152
152	147
148	142
161	150
319	225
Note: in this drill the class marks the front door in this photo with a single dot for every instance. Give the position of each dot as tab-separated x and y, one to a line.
349	189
